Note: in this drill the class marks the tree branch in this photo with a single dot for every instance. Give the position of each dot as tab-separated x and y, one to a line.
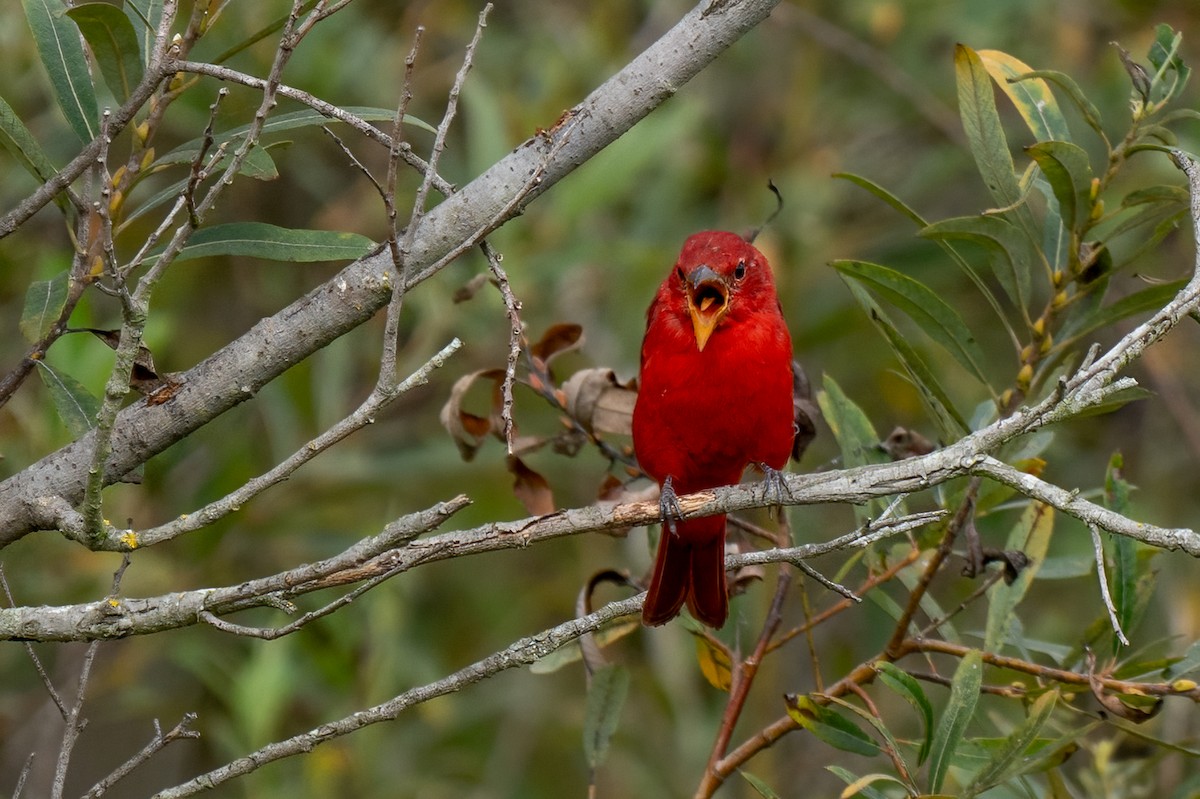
235	373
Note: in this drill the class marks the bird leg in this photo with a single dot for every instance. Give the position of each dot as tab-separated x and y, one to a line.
774	484
669	508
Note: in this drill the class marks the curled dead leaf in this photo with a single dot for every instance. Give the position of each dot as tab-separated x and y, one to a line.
599	402
557	339
467	429
530	488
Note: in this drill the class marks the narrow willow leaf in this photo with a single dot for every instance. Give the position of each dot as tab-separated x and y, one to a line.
981	122
714	664
1067	168
1155	194
830	726
910	690
1056	239
1185	665
955	256
272	243
931	313
883	194
114	44
951	425
1004	764
1032	98
146	15
76	406
1010	255
1031	535
759	785
1124	576
606	697
856	437
186	152
964	694
44	302
1091	114
17	139
61	52
1164	57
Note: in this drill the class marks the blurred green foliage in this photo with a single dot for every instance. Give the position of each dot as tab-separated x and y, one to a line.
866	87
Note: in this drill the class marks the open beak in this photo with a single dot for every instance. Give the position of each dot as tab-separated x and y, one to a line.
707	302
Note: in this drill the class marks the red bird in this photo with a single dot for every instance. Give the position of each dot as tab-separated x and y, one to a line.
715	395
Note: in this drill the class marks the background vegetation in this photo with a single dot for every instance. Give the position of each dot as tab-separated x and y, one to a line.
866	87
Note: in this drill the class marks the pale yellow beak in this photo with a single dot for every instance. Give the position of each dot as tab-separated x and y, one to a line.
707	302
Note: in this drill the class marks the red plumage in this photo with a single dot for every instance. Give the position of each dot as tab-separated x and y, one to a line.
715	396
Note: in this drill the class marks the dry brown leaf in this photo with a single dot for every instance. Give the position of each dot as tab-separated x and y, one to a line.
558	339
467	429
530	488
599	402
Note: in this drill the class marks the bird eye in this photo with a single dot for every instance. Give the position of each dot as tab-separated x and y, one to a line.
740	271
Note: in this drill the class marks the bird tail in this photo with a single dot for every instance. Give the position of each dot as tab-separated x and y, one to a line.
690	568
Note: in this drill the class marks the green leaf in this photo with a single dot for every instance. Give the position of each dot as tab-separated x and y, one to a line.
61	51
989	147
44	303
606	696
1067	168
1003	764
1010	254
186	152
1031	535
1091	114
830	726
931	313
951	425
907	211
1032	98
759	785
1124	575
17	139
1164	57
883	194
147	14
910	690
1144	301
114	44
1185	665
855	435
76	406
964	694
272	243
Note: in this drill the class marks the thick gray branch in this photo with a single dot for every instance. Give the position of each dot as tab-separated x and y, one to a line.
236	372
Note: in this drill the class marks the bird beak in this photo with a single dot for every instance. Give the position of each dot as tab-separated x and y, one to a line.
707	302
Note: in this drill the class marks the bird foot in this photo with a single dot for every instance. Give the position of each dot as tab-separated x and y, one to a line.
669	509
774	484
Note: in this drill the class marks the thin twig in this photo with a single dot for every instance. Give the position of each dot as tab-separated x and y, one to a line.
74	724
364	415
1098	548
33	657
157	743
512	309
520	653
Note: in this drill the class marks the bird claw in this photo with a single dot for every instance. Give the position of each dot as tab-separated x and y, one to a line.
775	484
669	509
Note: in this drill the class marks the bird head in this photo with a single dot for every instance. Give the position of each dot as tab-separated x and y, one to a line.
716	272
